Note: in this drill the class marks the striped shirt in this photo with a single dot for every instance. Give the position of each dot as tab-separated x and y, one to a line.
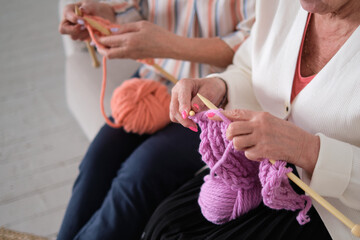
231	20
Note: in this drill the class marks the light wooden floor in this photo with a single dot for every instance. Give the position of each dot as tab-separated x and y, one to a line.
40	142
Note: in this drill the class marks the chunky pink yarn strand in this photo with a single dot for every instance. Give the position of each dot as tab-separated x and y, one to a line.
235	184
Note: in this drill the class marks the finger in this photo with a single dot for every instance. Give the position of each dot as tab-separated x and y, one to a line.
102	51
253	153
174	106
127	28
239	114
238	128
235	115
65	27
111	41
186	122
176	116
70	29
184	94
69	15
112	53
83	35
243	142
197	104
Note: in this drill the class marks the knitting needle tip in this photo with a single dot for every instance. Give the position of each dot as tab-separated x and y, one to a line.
207	103
356	230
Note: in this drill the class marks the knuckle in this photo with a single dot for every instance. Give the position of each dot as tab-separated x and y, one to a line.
261	121
174	89
107	54
185	80
181	82
237	112
231	128
263	116
187	83
143	23
172	118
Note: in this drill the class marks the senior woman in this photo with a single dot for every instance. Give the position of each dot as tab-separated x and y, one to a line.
293	94
124	176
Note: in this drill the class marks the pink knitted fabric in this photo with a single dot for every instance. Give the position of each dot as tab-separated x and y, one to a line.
277	192
235	184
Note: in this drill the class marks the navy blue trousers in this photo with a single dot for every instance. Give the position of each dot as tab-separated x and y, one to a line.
124	177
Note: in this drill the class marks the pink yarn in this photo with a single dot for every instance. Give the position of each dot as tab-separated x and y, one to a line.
277	192
235	184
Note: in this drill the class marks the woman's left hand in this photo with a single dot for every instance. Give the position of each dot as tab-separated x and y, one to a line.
138	40
261	135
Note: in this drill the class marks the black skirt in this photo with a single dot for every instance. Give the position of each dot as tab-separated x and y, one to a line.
179	217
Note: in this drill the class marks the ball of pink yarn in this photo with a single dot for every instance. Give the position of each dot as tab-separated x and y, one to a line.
221	203
141	106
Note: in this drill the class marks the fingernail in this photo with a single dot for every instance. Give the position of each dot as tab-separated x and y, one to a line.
193	129
80	21
184	114
210	114
114	29
196	106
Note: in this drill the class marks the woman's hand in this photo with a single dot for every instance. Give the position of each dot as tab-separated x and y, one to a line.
184	98
70	23
262	135
138	40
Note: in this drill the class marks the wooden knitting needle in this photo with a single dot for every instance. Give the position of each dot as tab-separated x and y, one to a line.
355	228
165	73
91	50
151	62
93	23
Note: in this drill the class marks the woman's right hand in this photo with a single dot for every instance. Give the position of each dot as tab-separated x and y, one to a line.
184	98
70	22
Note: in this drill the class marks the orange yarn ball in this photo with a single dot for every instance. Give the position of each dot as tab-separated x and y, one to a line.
141	106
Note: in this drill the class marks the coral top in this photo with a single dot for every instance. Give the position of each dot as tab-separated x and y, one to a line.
299	81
